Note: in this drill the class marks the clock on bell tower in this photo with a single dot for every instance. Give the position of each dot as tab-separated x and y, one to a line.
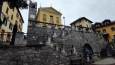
32	16
32	10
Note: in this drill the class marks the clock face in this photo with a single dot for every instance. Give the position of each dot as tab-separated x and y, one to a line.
32	16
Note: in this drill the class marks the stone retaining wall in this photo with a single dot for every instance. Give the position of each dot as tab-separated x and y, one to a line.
30	56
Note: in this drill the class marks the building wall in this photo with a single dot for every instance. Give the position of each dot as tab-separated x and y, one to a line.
84	23
48	14
108	31
11	17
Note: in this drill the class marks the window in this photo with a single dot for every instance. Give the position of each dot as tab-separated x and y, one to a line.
104	30
16	22
57	20
17	15
10	26
113	28
7	10
44	17
51	18
19	27
114	37
20	20
12	17
5	21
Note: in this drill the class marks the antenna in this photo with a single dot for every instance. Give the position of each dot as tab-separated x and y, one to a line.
59	10
51	5
40	5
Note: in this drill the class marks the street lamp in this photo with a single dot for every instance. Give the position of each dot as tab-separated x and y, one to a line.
64	21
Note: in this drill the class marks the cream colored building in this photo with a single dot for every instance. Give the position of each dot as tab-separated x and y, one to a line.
9	17
49	15
84	22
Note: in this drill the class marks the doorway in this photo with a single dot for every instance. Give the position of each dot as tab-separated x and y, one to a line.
85	49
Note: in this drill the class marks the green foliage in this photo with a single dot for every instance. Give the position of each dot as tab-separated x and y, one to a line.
22	4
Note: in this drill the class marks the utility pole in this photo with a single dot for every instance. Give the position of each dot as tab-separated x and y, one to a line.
64	21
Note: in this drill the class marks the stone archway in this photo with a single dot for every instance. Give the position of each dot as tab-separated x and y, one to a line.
85	48
88	47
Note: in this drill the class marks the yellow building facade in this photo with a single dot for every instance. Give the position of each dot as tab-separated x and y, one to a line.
9	17
48	15
107	30
84	22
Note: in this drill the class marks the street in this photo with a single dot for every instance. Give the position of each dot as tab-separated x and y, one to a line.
105	61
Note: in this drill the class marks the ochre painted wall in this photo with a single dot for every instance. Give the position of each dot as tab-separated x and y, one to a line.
9	20
108	31
49	12
84	23
14	13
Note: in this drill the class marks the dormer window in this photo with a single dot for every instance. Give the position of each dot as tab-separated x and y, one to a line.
104	30
97	25
113	28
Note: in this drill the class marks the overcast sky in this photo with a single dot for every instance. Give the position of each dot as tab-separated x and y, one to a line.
94	10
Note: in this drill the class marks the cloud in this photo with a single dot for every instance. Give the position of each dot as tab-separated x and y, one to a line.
95	10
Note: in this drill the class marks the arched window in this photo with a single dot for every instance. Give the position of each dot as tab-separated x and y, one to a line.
44	17
57	20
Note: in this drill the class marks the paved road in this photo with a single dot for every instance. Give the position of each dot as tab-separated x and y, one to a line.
106	61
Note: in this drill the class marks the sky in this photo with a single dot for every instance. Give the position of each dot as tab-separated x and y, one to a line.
94	10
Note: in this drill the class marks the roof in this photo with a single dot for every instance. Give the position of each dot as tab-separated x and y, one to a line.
80	20
48	8
112	22
20	14
106	20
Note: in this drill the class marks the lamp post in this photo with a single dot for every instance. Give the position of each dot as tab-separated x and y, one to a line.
64	21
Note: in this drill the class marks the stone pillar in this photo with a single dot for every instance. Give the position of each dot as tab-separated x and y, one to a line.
54	35
63	51
83	30
76	29
49	26
87	58
73	28
63	33
57	48
89	30
56	27
49	41
37	25
74	50
92	30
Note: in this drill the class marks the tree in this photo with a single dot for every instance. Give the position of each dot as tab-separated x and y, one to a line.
22	4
